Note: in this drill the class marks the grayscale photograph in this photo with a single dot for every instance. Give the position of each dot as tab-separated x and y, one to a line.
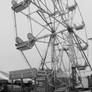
46	46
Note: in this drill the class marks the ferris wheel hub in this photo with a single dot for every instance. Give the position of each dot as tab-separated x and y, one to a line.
70	29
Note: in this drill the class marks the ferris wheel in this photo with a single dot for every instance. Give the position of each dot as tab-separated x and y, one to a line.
51	34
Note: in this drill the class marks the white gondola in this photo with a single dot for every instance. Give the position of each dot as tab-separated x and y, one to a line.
82	67
18	7
30	36
73	7
83	47
79	27
89	38
19	40
24	45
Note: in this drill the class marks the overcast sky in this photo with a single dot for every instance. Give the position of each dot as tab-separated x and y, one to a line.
10	58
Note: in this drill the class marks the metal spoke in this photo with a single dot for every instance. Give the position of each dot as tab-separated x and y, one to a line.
45	36
63	23
30	20
44	59
83	53
36	21
38	52
62	48
43	17
42	42
15	24
26	60
49	14
39	32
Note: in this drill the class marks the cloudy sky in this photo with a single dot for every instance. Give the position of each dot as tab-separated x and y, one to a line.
10	58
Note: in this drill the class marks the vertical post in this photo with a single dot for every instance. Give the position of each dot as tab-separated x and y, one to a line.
72	56
22	85
35	86
53	55
74	77
89	78
52	52
12	86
